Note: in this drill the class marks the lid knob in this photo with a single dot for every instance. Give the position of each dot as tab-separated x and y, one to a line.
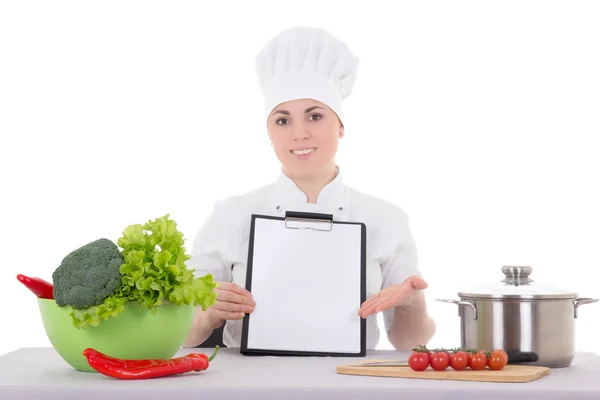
516	275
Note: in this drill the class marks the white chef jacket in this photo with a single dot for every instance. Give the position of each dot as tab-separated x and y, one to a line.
221	246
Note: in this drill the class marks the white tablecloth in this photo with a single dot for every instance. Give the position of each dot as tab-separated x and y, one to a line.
39	373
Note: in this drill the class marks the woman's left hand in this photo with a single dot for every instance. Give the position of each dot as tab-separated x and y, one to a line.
393	296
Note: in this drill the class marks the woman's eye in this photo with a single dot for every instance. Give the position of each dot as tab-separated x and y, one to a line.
282	121
315	117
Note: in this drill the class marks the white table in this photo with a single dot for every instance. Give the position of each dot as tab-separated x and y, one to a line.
39	373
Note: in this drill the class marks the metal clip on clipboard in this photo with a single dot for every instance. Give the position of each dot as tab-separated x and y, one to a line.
304	220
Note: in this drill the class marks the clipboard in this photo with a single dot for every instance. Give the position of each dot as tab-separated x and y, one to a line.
307	274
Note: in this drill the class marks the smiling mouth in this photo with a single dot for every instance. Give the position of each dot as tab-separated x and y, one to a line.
302	152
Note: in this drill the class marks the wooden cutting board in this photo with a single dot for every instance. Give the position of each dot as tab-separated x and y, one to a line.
509	374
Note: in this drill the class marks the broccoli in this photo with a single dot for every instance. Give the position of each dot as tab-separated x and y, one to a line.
88	275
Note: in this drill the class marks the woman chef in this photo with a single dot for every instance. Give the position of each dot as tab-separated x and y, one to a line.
304	74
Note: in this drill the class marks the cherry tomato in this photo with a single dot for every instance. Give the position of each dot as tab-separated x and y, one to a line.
478	361
503	353
439	361
423	349
498	360
418	361
471	353
459	360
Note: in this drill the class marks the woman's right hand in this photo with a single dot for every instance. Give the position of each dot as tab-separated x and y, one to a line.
233	303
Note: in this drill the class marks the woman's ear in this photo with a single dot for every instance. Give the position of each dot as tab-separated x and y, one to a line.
342	132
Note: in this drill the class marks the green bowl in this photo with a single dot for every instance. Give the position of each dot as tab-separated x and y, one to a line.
134	334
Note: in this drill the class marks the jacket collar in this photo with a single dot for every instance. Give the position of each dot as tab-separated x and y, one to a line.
332	199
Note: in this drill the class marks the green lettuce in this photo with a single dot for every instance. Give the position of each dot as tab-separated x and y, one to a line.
153	273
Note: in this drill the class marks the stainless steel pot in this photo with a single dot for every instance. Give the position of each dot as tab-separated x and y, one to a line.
533	323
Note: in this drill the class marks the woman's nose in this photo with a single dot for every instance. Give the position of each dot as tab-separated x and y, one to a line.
300	132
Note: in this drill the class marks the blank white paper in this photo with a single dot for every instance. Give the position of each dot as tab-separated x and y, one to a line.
307	285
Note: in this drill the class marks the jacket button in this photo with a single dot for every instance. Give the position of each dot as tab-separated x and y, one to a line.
278	207
340	209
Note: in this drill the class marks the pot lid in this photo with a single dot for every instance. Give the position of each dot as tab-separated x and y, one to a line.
518	285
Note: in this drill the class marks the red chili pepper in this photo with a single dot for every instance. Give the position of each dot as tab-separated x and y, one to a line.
145	369
41	288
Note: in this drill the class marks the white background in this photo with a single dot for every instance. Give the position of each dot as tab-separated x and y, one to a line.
479	118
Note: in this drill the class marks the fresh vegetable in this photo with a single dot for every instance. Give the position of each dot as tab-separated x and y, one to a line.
155	269
418	360
88	275
146	369
152	271
38	286
423	349
478	361
497	360
459	360
439	360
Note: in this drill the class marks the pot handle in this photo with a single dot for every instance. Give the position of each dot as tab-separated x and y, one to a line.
519	357
581	301
461	303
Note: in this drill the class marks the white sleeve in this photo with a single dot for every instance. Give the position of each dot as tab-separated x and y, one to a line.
209	249
402	260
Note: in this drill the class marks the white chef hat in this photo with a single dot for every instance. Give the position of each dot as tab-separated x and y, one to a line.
304	62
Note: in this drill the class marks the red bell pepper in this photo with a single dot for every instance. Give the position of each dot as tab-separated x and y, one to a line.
41	288
145	369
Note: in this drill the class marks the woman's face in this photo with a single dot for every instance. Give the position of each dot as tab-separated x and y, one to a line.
305	135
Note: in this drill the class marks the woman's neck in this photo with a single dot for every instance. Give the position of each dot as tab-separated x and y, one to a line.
312	185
